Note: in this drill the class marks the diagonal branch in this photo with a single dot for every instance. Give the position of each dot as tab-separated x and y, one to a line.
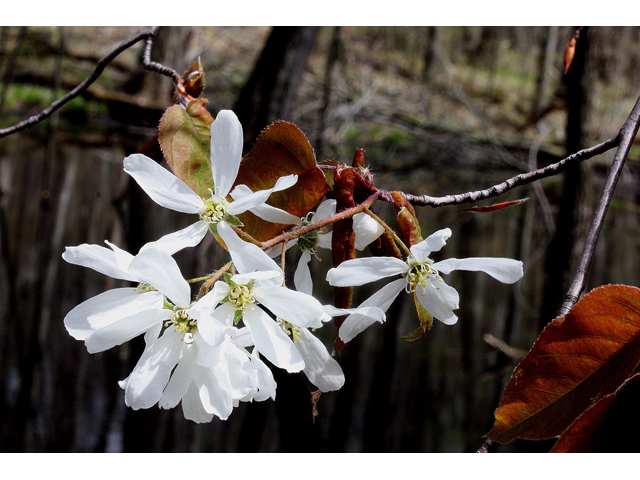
147	35
518	180
626	135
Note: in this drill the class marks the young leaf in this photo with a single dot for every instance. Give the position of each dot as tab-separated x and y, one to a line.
576	360
185	138
611	425
281	149
495	206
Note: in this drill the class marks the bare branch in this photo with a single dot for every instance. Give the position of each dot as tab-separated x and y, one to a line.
518	180
147	34
627	135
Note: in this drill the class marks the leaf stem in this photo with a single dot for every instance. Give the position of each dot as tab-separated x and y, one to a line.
214	278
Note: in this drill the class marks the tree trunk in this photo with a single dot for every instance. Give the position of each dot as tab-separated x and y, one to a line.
271	88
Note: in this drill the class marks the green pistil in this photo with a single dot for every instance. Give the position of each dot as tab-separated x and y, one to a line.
184	323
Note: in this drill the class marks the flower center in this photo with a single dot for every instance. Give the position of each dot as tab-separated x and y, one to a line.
309	241
289	329
240	296
144	287
184	323
215	211
419	273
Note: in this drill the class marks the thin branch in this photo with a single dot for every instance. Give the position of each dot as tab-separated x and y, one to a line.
518	180
627	135
147	34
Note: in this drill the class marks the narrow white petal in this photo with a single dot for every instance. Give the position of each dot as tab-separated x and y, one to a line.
324	240
192	406
214	395
326	209
123	258
439	299
161	185
264	211
150	376
302	276
125	329
433	243
265	385
364	270
247	257
226	151
161	271
294	307
271	341
321	370
505	270
98	258
109	304
285	182
176	241
366	229
180	380
244	278
368	312
215	327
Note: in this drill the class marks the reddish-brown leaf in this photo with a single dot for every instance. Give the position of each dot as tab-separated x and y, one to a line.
281	149
611	425
576	360
495	206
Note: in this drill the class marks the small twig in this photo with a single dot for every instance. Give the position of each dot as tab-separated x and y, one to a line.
627	134
147	34
518	180
389	230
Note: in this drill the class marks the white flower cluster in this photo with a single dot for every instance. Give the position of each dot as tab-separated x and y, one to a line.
207	353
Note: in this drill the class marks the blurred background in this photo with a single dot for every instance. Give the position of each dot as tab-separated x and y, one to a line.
439	110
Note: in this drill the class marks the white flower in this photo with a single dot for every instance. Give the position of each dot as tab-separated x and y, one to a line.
169	191
366	231
421	276
178	365
259	283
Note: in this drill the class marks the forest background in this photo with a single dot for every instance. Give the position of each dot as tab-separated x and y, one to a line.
439	110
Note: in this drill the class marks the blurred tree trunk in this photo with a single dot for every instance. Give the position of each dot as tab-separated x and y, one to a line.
548	46
271	88
569	234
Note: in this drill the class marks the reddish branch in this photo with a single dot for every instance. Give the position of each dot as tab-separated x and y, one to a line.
147	35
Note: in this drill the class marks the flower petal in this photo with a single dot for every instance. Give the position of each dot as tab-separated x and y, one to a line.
98	258
176	241
433	243
363	317
264	211
226	151
192	406
161	271
180	380
321	370
439	299
505	270
246	256
146	383
364	270
366	229
297	308
161	185
107	308
302	276
271	341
